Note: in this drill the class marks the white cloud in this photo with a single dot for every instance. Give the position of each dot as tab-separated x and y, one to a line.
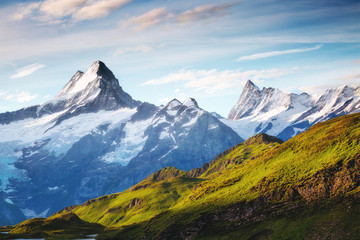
204	12
20	97
55	11
60	8
161	15
27	70
276	53
25	10
213	80
98	9
147	19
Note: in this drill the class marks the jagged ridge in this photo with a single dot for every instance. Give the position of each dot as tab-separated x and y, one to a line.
285	115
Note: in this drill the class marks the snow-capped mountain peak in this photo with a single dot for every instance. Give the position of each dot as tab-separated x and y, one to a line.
251	85
190	102
284	115
70	85
96	89
175	107
255	102
249	96
268	110
90	82
173	104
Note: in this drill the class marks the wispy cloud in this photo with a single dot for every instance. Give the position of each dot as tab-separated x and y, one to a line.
162	15
60	8
98	9
25	10
59	11
147	19
27	70
351	77
213	80
20	97
141	48
204	12
277	53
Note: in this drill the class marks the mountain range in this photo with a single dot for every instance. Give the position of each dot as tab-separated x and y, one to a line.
305	188
94	139
285	115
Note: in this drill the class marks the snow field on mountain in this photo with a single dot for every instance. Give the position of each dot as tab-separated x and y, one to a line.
130	145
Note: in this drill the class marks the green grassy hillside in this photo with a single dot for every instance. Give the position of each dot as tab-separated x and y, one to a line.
305	188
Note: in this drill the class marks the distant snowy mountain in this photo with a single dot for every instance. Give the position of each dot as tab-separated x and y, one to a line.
94	139
284	115
333	103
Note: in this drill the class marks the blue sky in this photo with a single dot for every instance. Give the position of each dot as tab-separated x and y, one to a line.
161	50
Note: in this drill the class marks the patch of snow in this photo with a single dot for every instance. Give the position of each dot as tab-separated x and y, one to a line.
7	168
82	82
32	153
192	120
154	148
130	145
172	112
173	104
31	214
158	121
64	135
8	200
163	156
189	102
164	134
53	188
213	126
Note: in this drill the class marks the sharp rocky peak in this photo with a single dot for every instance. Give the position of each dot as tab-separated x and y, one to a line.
96	89
249	96
175	107
94	78
254	101
173	104
189	102
100	69
250	85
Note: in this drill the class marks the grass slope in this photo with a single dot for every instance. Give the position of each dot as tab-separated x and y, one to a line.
260	189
